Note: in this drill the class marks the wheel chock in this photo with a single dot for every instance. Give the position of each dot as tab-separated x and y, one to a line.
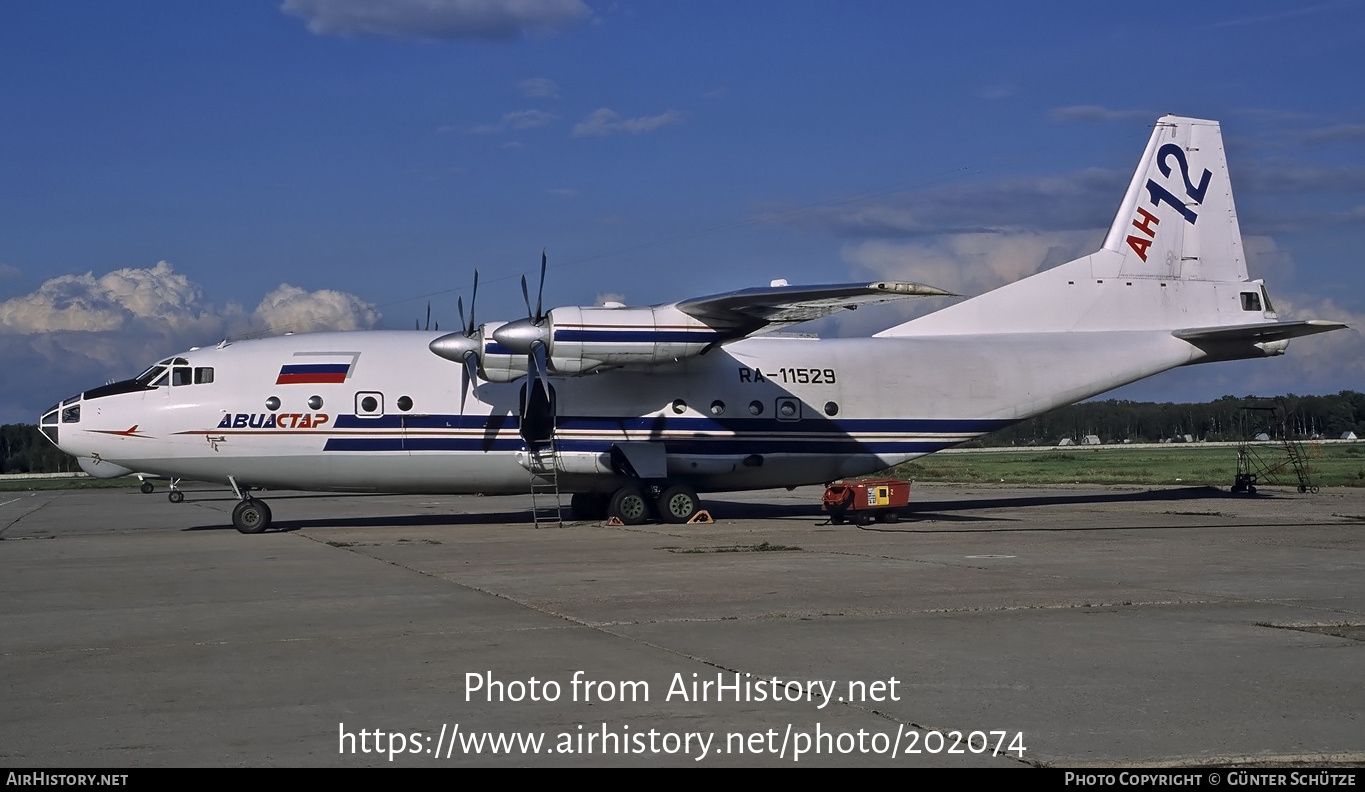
615	521
702	516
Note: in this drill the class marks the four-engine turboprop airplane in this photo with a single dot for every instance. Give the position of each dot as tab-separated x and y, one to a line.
635	410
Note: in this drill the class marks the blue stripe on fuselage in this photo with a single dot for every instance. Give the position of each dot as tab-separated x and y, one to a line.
637	336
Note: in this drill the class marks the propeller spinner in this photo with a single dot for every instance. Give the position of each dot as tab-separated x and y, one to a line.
463	347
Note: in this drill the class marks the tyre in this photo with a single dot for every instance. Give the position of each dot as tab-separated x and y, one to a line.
629	506
678	504
863	518
175	496
251	516
147	488
891	516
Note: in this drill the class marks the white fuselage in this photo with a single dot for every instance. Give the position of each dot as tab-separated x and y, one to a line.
760	412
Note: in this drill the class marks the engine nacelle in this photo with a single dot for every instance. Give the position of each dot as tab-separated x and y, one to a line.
579	340
585	338
496	362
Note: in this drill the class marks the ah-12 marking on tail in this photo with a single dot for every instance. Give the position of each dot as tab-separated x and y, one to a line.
636	410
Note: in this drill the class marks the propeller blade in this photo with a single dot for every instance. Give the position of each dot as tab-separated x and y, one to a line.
541	291
538	355
465	377
459	308
428	315
474	295
525	295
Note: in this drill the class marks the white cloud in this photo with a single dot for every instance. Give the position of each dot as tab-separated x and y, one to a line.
116	300
7	272
970	264
538	88
77	331
291	309
438	19
605	121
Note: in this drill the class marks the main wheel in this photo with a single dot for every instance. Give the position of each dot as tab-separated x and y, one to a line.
175	496
251	516
678	503
629	506
147	488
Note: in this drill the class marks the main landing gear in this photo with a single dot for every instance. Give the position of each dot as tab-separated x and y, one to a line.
250	516
637	503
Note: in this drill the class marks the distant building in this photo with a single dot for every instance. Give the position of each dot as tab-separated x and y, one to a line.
1090	440
1263	437
1349	436
1065	441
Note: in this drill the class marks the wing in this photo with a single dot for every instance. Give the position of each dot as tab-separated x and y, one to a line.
768	308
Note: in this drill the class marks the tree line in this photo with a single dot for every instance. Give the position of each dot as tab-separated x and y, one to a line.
24	450
1229	419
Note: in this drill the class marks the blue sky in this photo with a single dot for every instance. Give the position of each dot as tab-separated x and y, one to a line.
337	163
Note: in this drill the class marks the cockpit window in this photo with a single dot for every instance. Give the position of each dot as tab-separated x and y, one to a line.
203	376
153	377
180	375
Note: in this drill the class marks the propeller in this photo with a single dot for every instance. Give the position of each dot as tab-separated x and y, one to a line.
530	336
417	325
463	347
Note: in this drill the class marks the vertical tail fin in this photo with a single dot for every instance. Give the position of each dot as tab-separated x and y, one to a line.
1177	220
1172	258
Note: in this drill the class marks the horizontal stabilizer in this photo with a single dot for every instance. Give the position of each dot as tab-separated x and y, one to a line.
1258	333
788	305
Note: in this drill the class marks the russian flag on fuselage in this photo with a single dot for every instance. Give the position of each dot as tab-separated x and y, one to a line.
314	373
336	370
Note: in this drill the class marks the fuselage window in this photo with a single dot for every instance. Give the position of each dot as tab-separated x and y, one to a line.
203	376
405	403
369	404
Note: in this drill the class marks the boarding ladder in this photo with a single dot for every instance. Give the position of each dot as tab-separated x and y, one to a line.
542	459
